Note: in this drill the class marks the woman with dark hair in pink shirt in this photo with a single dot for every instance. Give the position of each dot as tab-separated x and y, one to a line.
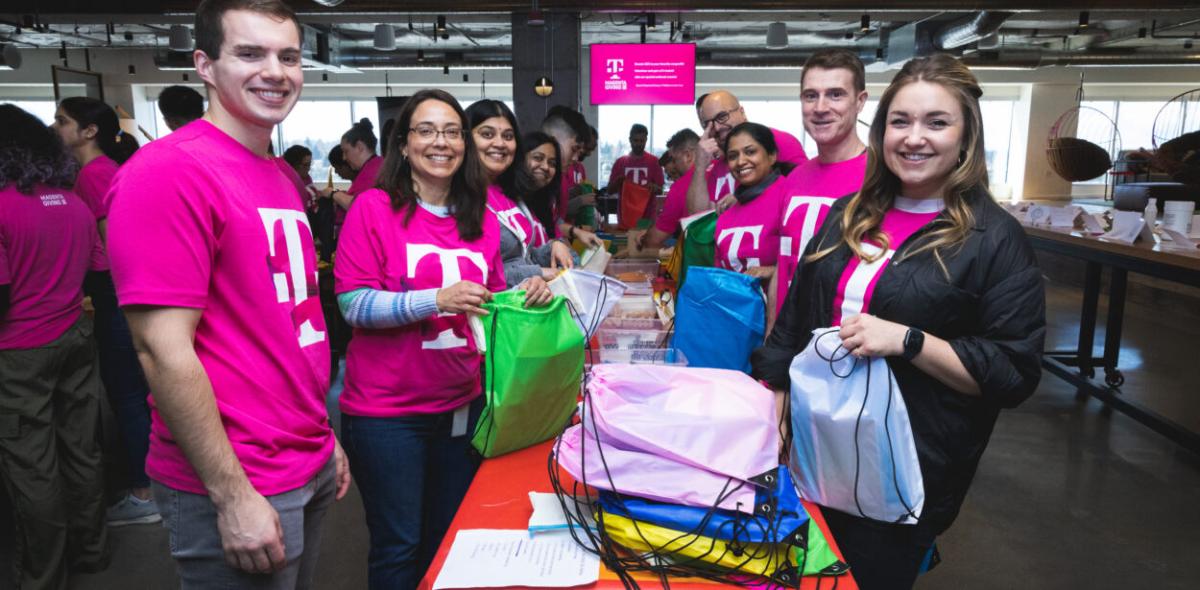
416	256
50	458
90	130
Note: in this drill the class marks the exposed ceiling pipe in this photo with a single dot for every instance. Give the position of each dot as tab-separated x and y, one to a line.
969	29
1037	59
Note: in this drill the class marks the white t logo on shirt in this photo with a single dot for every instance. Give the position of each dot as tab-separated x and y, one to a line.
451	274
291	286
724	186
639	175
735	245
808	228
509	217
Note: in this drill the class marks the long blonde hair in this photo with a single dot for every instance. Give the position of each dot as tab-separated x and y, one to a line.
863	215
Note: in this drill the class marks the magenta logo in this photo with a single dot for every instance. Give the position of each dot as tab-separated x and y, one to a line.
615	67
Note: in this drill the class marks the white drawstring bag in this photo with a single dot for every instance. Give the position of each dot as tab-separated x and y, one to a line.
852	444
591	296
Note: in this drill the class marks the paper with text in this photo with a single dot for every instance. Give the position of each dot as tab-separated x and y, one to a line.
494	558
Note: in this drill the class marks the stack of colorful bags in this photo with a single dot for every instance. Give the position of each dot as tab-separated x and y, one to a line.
685	463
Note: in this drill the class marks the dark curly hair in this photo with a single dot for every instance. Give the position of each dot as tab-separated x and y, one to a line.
31	153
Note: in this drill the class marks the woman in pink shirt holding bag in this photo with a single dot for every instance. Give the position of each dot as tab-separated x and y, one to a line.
423	243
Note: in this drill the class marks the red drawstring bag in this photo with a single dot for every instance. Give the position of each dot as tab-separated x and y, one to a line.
635	198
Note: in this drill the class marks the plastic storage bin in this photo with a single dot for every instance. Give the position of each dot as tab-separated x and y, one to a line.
633	339
647	356
633	271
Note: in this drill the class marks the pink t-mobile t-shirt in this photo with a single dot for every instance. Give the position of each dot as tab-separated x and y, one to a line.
641	170
430	366
675	206
814	188
365	181
93	183
512	216
48	242
720	181
199	221
860	277
748	234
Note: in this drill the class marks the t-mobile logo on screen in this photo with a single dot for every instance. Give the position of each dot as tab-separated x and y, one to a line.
616	66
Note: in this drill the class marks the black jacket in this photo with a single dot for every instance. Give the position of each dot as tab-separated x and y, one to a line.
991	311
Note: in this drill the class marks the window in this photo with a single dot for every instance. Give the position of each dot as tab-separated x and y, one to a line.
42	109
317	125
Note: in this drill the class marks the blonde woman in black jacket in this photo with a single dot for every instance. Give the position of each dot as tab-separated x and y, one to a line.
923	268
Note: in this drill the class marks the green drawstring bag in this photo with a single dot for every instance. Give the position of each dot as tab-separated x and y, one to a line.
699	243
532	365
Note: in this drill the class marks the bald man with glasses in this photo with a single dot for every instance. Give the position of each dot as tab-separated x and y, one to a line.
719	113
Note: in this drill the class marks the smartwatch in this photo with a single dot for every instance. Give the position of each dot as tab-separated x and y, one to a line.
914	341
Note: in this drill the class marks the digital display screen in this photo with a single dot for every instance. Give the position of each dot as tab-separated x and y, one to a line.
649	73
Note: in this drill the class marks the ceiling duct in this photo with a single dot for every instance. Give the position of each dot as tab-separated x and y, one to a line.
969	29
1038	59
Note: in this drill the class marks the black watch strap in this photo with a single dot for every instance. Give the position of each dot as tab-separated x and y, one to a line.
914	341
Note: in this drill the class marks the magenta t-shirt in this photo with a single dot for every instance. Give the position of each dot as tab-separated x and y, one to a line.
675	205
199	221
48	242
814	188
515	217
747	234
641	170
720	181
294	177
363	182
93	183
860	277
430	366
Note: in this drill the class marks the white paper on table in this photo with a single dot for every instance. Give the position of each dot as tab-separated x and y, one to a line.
494	558
548	514
1064	217
1178	240
1195	233
1037	215
1127	227
1091	224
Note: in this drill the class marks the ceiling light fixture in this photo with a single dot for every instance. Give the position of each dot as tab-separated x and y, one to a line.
180	38
865	24
543	87
440	28
420	55
777	35
446	70
10	57
1083	19
385	37
652	21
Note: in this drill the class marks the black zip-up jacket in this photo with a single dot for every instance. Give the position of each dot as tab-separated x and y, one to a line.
992	311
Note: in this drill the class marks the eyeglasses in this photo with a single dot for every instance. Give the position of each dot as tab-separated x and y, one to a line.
429	132
720	118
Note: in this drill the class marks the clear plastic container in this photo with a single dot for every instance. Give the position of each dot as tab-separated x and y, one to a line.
633	324
635	306
633	339
633	271
645	356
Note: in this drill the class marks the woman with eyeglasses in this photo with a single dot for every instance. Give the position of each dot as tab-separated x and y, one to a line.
416	255
526	265
923	268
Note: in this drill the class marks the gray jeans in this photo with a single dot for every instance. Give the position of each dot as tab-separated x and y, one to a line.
191	520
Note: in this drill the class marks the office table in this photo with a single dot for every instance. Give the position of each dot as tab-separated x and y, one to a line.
1078	366
499	499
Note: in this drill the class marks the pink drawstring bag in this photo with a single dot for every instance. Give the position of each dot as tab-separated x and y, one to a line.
603	466
718	420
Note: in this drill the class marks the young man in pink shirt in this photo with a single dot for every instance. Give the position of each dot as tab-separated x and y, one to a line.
833	92
214	265
719	113
50	459
639	167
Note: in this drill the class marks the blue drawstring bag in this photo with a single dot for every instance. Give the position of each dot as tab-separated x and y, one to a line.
720	318
778	515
